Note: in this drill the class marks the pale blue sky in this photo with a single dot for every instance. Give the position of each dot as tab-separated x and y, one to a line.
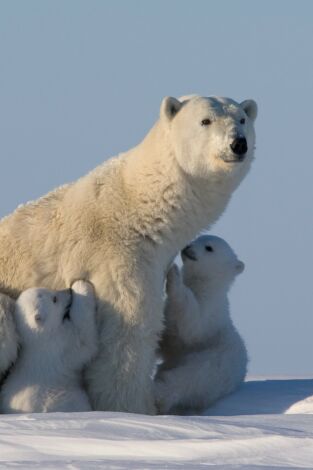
83	80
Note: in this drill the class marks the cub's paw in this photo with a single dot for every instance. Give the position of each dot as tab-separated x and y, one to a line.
83	287
174	278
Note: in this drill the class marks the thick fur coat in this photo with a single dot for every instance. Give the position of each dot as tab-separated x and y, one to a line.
8	335
121	225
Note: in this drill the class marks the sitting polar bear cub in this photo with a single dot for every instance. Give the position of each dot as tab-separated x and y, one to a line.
58	337
204	355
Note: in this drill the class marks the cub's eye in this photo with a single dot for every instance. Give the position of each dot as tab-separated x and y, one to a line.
206	122
209	248
54	299
242	121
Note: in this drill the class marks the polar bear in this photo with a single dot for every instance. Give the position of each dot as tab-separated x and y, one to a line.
57	333
204	356
121	225
8	336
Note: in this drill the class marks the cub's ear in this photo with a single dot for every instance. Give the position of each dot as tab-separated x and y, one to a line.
250	108
240	266
169	107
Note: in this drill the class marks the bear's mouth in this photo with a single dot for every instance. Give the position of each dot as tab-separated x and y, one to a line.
67	310
234	159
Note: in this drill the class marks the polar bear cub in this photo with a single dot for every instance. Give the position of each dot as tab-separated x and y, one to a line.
204	356
58	338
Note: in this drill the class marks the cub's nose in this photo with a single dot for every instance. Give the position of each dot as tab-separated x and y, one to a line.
185	250
189	253
239	146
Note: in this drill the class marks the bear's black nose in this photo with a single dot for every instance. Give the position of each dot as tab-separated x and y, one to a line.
239	146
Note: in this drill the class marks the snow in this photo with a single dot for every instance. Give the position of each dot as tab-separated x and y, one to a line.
266	424
268	396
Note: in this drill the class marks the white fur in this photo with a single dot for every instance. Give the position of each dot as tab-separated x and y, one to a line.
8	336
54	350
121	225
204	355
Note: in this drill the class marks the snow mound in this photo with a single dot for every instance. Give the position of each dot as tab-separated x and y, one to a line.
267	396
265	439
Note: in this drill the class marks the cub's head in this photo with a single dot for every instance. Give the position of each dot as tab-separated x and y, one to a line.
41	312
211	134
210	258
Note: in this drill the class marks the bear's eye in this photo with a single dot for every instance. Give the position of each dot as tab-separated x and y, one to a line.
242	121
209	248
206	122
54	299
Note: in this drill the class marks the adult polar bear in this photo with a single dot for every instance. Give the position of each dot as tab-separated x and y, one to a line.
122	224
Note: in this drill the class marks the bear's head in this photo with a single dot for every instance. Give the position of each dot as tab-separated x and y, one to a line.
41	312
210	134
210	258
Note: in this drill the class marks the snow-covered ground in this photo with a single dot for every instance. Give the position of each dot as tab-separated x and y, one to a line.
266	424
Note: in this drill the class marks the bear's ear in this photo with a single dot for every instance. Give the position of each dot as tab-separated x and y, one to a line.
240	266
170	107
250	108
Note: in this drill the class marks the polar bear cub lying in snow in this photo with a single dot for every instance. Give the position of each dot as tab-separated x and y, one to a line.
204	355
58	337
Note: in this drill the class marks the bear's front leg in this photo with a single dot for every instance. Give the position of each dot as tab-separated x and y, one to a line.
129	322
119	379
